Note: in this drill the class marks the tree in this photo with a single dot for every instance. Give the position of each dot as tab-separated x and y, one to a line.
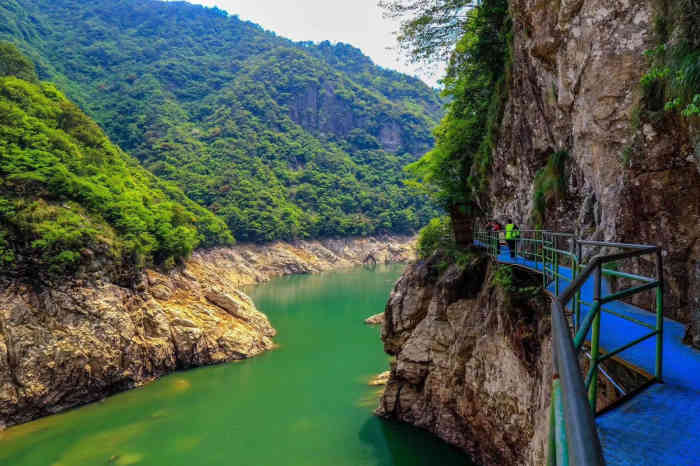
455	172
13	63
429	28
66	191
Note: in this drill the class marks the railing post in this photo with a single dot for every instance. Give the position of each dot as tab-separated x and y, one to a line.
578	254
659	315
595	339
562	450
556	272
582	437
577	296
574	274
534	244
538	248
551	444
540	245
544	262
552	450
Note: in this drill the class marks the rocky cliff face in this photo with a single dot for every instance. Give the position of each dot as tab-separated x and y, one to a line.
320	109
86	338
473	364
576	70
82	340
473	361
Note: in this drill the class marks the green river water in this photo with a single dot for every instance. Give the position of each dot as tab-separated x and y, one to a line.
306	403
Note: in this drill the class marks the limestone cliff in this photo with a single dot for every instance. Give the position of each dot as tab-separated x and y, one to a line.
71	343
473	360
473	365
575	87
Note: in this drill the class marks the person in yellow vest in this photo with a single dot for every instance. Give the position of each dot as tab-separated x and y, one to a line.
512	234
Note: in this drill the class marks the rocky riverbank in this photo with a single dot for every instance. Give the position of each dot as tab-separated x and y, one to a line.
473	360
249	264
86	338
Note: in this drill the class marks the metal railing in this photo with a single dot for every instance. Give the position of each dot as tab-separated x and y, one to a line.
573	438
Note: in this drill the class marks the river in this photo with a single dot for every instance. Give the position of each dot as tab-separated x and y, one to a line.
306	403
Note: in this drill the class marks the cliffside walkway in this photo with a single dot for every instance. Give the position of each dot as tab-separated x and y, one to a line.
657	425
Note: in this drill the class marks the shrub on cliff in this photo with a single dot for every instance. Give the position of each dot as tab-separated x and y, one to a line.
477	37
435	235
66	189
673	80
549	185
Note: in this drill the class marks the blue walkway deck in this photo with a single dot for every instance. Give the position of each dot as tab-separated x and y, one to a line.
661	425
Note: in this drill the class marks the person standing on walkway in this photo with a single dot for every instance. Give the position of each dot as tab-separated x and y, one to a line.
495	229
494	226
512	234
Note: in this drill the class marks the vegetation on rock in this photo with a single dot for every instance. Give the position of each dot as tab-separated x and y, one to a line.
673	81
455	171
67	192
434	236
549	185
437	239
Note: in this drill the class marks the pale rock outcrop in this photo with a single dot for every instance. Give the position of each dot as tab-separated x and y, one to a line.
379	379
81	341
247	264
377	319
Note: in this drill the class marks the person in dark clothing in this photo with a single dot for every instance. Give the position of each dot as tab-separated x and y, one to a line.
495	226
495	229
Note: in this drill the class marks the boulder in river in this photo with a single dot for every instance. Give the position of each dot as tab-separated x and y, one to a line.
376	319
380	379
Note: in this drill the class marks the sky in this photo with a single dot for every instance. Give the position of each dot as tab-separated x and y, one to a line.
355	22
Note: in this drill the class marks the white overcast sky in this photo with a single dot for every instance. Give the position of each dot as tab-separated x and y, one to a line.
356	22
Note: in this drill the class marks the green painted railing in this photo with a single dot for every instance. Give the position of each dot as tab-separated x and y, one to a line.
573	438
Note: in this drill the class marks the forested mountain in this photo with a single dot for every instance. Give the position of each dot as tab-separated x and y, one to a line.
66	192
282	140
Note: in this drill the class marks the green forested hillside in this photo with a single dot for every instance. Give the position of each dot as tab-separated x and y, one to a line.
279	139
67	193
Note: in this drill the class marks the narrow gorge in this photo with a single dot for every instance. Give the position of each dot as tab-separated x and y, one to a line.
159	159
